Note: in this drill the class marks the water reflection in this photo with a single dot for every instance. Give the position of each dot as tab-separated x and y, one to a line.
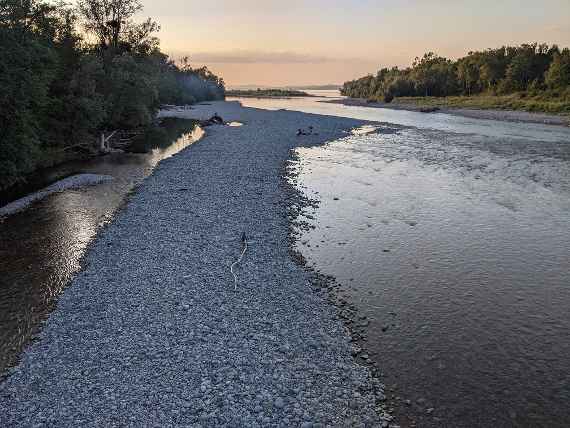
41	248
456	248
435	121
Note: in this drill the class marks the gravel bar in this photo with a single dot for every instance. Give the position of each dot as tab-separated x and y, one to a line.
152	333
70	183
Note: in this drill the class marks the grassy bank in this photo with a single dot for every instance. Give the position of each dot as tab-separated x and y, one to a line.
519	101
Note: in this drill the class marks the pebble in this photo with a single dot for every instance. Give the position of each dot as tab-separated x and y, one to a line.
173	249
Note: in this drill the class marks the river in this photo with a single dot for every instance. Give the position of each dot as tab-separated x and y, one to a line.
451	236
42	247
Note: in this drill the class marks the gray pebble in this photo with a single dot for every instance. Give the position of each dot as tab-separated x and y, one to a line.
154	332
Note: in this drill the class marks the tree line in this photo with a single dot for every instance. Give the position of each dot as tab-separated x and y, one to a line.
68	73
536	68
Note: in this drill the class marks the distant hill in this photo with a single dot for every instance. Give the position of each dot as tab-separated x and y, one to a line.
316	87
266	93
307	87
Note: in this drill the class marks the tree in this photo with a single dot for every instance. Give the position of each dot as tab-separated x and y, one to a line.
58	91
507	69
558	75
131	94
26	72
434	75
112	23
468	74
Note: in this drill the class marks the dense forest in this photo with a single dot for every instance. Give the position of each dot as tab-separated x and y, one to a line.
69	73
527	70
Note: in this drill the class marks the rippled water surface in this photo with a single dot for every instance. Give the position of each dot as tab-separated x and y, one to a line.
452	236
41	248
456	247
436	121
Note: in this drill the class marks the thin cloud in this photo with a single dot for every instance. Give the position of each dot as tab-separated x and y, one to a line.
556	28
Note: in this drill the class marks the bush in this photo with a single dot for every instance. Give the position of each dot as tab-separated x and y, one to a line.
26	71
58	91
388	97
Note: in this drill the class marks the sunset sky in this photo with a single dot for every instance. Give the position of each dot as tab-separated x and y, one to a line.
279	43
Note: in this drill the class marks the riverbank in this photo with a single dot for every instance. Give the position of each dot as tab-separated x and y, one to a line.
47	226
474	113
152	330
70	183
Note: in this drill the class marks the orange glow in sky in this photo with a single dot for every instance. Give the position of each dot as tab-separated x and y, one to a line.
280	43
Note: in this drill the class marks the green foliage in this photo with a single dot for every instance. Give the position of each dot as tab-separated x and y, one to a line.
59	91
508	70
26	72
84	102
558	75
132	97
433	75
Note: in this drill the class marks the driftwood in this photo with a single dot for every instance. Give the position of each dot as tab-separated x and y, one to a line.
105	146
429	109
214	120
83	146
244	243
117	140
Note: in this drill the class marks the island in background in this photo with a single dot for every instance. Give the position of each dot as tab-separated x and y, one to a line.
326	87
266	93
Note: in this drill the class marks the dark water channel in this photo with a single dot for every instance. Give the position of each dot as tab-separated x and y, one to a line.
42	246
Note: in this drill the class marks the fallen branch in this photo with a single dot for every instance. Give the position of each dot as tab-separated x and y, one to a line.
234	264
105	142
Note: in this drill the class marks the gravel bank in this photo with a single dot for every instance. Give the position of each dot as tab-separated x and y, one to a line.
504	115
152	333
74	182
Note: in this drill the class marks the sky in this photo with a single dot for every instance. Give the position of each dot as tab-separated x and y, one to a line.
308	42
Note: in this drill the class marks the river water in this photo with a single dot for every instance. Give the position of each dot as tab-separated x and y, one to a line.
452	236
41	248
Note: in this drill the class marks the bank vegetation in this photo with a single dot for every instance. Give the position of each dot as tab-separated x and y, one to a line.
71	73
531	77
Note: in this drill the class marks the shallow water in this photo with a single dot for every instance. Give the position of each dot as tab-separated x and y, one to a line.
41	247
435	121
453	238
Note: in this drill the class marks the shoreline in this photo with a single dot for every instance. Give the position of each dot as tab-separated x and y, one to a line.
325	285
501	115
73	182
175	327
269	97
